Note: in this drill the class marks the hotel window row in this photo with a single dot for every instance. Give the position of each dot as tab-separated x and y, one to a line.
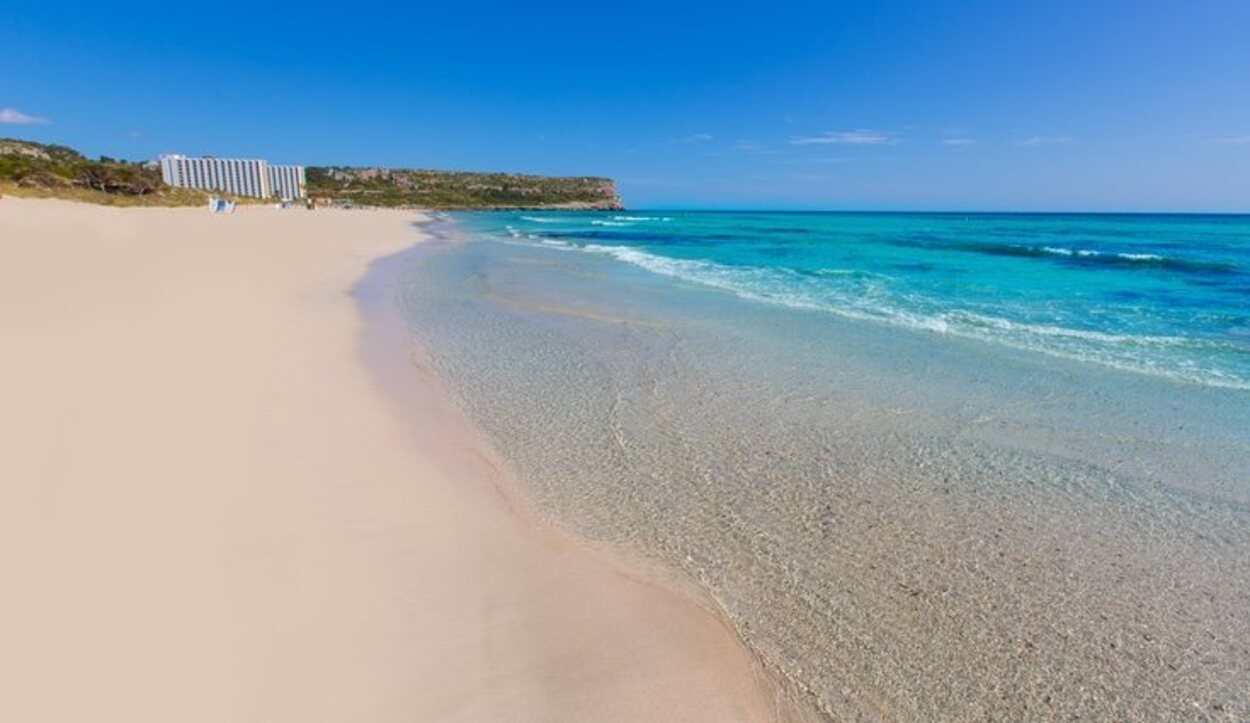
241	177
286	182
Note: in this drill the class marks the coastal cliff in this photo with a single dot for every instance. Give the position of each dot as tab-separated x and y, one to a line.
459	189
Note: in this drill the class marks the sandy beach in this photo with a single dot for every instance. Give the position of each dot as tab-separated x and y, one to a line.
214	509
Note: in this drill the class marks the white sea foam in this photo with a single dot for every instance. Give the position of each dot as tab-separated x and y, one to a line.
873	302
1088	253
1062	251
994	322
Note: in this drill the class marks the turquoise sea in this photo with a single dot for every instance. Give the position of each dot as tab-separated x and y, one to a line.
1165	295
929	466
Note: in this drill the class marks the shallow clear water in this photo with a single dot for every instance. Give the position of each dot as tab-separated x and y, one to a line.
929	468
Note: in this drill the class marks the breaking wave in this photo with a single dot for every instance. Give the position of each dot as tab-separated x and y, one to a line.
870	296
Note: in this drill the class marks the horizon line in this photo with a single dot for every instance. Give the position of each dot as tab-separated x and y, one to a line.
954	212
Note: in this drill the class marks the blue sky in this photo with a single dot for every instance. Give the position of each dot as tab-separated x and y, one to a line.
842	105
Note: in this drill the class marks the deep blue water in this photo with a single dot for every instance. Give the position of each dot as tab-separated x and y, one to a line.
1167	295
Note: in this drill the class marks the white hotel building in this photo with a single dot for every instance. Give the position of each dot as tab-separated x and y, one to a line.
233	175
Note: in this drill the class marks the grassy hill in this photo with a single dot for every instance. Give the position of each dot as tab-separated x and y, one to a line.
42	170
458	189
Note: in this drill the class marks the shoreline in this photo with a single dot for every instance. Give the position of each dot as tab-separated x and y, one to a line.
218	516
396	358
396	355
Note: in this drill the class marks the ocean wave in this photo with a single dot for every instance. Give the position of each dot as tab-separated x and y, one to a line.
639	234
858	273
544	219
1087	253
867	297
1075	256
620	220
1048	330
1061	251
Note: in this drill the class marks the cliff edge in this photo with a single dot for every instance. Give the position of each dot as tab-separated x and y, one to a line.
459	189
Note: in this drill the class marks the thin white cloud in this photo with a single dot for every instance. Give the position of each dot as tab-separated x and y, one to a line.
1233	141
959	142
697	138
808	160
742	146
1046	141
858	137
14	117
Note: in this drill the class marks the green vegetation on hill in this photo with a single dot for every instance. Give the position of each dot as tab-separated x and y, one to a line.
37	169
457	189
167	197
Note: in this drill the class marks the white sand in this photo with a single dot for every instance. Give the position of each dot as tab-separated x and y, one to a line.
210	511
